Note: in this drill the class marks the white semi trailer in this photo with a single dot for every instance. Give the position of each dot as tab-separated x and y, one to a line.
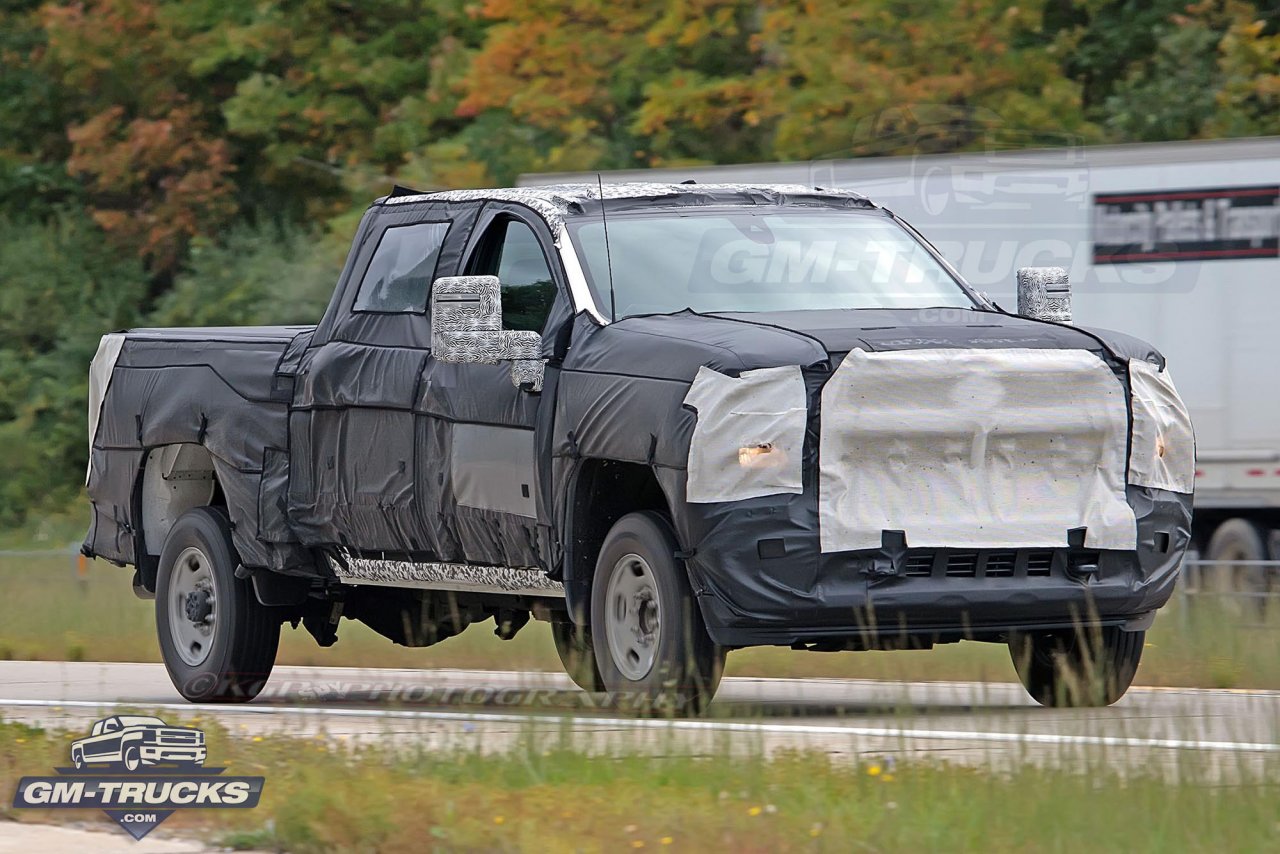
1177	243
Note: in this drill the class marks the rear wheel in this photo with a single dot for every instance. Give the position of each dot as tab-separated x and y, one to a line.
651	645
578	655
217	640
1088	667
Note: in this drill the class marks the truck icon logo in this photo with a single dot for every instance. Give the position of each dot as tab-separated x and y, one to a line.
139	770
133	742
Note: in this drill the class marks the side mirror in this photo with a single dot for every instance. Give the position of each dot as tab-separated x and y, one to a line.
466	326
1044	293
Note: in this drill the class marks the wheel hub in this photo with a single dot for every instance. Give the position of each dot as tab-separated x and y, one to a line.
633	620
199	606
193	608
647	619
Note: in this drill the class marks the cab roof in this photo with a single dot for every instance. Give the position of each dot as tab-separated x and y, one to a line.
558	202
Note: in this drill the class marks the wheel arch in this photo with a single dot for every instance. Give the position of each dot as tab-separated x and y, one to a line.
601	492
173	479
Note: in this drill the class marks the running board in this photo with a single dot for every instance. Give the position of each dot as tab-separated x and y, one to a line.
457	577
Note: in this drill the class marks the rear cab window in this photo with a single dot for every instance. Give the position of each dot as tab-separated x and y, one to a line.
399	276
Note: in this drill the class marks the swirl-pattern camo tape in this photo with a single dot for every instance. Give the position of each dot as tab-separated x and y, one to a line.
528	372
466	304
445	576
553	201
1043	294
466	327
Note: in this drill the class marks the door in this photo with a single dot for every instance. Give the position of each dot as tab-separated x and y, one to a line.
492	476
353	441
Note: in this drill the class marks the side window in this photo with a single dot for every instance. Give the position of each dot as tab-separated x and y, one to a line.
402	269
510	251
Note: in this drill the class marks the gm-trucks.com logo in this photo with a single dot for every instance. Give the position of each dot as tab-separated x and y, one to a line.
139	771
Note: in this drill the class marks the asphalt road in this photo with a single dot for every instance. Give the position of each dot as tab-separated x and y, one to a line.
1229	732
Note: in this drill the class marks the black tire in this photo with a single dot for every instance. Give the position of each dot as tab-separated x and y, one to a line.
683	664
77	759
1245	587
577	653
1089	667
243	634
132	758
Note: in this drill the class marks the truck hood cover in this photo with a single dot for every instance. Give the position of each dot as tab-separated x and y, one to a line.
911	329
676	346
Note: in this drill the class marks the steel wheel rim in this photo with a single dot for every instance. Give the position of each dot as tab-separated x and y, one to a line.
632	611
192	575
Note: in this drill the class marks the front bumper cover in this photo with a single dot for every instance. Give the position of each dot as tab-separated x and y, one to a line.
777	588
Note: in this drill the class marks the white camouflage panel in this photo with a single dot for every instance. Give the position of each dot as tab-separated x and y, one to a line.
1162	454
974	449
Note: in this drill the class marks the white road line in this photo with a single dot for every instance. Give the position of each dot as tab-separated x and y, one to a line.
679	725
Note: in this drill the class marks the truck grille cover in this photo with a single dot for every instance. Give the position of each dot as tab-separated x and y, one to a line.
975	449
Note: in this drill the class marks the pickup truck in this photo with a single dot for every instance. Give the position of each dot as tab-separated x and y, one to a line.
131	741
672	420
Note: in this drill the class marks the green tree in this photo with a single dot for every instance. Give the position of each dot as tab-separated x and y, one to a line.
1248	98
589	84
60	289
324	98
840	68
34	146
141	133
253	276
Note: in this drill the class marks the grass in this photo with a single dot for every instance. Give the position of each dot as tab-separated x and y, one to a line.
548	797
50	611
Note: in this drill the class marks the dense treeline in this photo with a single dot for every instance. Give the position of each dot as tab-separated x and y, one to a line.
203	161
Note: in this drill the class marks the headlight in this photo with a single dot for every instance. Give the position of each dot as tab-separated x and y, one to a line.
761	456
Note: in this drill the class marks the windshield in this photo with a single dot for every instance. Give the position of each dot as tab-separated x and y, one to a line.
760	260
139	720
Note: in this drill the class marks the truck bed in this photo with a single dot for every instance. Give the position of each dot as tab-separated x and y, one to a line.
217	387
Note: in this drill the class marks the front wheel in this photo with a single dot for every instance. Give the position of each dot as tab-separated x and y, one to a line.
217	640
1087	667
651	644
132	758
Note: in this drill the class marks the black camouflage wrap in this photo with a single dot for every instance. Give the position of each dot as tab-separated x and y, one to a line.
334	442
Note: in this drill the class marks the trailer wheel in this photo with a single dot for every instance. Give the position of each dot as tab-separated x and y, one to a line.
217	640
1087	667
1234	546
578	655
651	645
